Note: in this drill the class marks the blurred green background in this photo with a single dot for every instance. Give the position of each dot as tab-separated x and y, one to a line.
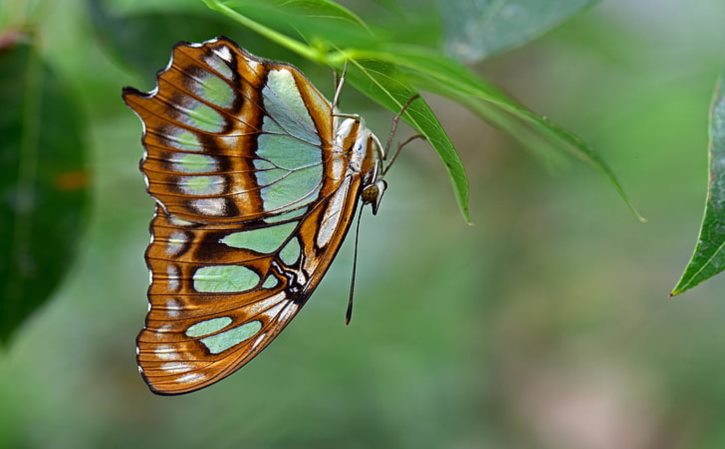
545	325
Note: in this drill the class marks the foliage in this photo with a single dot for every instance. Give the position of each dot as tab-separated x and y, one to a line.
551	306
44	183
399	70
380	63
709	257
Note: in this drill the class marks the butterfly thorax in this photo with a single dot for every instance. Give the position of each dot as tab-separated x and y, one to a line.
354	140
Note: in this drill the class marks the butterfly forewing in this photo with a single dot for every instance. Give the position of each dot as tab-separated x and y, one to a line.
231	137
253	202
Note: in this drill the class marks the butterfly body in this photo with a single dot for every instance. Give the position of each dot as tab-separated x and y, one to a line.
256	178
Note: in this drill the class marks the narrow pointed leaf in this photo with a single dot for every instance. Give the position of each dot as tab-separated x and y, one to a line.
436	73
709	257
379	81
43	183
423	69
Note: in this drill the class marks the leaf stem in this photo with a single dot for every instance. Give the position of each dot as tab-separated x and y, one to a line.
285	41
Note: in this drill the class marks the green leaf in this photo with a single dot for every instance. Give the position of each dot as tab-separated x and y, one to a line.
424	68
43	183
381	82
709	257
477	29
323	25
377	79
436	73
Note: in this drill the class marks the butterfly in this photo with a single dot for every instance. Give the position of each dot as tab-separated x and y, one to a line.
256	178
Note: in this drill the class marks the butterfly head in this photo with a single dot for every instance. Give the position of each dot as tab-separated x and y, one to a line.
372	194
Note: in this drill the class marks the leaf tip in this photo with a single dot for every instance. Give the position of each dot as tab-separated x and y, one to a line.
682	286
465	212
629	203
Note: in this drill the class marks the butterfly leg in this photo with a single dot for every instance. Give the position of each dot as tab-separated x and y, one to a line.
339	82
352	116
396	120
400	147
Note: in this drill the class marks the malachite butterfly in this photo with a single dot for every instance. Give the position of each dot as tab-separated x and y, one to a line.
256	178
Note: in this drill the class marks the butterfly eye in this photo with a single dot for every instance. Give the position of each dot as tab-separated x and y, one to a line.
373	194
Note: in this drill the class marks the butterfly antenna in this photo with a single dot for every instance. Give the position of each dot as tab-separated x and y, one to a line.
348	313
400	147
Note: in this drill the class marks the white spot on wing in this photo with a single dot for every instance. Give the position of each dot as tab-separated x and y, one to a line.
176	367
173	307
255	308
176	242
258	340
172	273
191	377
301	278
224	53
179	221
332	215
166	352
271	313
288	311
202	185
163	329
210	206
252	63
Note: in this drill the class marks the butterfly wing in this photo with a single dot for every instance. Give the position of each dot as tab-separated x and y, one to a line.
253	203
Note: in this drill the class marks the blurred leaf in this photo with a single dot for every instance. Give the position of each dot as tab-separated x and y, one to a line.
128	7
141	42
375	79
709	257
477	29
43	183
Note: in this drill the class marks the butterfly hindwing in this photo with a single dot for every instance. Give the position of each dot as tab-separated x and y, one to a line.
253	203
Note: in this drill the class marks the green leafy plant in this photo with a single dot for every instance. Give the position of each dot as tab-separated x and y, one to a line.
709	257
390	72
45	174
44	183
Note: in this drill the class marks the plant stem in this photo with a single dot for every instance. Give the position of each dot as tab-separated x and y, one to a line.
292	44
